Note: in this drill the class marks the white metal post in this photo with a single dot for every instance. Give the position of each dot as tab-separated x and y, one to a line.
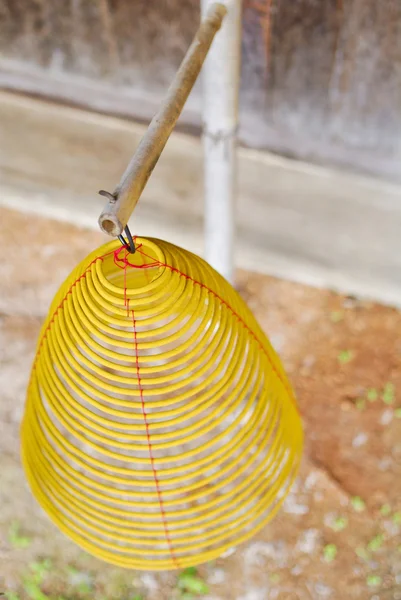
220	81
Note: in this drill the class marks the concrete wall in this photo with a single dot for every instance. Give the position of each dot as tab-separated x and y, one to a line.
321	79
312	224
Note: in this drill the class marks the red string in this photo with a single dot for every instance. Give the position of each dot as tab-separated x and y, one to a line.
152	459
125	285
124	262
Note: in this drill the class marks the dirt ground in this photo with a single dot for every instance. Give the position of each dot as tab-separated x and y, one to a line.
338	535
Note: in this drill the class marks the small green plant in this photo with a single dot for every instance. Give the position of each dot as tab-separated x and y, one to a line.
372	394
12	595
38	572
84	588
385	510
360	403
376	543
190	584
336	316
33	590
330	552
345	356
397	413
40	569
358	504
388	395
16	538
339	523
373	580
274	578
397	518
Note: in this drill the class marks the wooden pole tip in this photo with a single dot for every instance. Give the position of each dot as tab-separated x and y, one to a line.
109	224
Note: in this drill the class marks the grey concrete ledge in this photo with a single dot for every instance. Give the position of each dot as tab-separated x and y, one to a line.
310	224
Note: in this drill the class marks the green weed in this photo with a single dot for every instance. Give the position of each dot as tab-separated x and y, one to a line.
385	510
372	394
397	518
330	552
358	504
16	538
345	356
189	583
376	543
373	580
339	524
40	569
33	590
32	583
388	395
360	403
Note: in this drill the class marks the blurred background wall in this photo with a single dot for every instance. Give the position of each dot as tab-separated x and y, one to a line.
321	79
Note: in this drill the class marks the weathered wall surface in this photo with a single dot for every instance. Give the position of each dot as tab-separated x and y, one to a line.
321	79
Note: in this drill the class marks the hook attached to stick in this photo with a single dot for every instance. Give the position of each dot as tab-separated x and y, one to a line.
122	202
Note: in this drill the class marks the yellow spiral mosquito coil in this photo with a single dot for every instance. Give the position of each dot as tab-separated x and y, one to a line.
160	429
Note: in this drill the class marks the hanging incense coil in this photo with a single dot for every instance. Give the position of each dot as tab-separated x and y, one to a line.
159	429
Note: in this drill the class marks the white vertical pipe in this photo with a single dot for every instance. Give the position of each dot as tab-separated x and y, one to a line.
220	82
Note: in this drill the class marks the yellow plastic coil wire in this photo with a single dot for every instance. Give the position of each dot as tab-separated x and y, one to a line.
160	429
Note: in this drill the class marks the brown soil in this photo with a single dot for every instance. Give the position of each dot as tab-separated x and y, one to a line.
338	352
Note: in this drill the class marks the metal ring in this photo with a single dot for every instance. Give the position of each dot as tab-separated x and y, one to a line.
130	245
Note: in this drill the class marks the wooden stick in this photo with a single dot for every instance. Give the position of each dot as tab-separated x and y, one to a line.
124	199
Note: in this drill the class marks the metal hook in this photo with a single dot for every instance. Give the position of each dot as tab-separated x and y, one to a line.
110	197
130	245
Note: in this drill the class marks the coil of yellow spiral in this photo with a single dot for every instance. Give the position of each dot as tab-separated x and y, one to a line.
160	429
